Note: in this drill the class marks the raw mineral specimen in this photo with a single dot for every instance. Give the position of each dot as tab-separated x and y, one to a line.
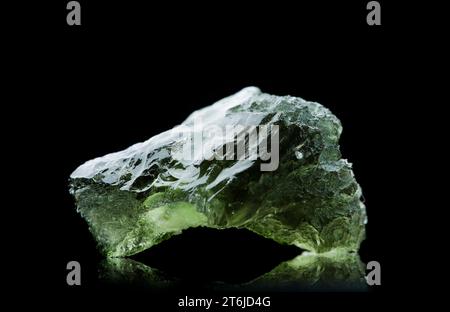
138	197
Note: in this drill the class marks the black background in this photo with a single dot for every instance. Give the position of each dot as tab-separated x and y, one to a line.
131	71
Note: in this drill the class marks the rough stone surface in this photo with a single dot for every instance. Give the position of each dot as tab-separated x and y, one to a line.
138	197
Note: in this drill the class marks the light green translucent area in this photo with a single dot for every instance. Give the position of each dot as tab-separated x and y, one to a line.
174	217
158	223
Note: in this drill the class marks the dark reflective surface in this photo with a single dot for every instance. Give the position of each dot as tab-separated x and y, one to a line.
233	260
307	272
205	255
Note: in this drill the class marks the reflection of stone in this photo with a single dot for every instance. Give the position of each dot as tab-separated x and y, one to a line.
124	272
332	271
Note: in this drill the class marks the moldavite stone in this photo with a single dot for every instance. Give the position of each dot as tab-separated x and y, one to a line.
138	197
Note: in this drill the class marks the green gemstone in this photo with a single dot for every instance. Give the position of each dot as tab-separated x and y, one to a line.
138	197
